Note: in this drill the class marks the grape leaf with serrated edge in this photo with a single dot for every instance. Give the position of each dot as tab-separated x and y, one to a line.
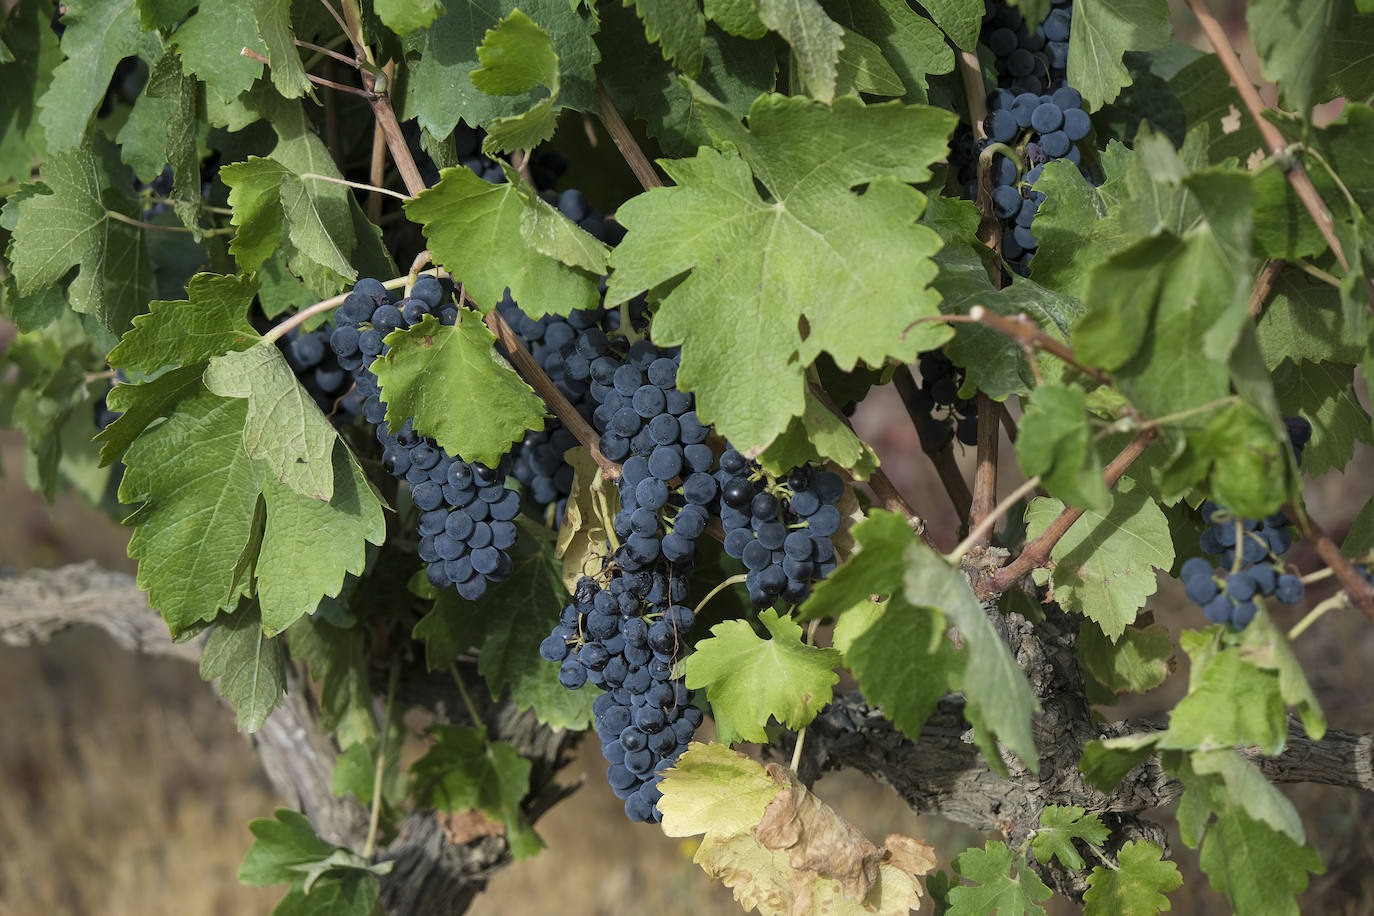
251	667
1136	887
463	769
830	252
748	679
997	889
1103	31
1059	826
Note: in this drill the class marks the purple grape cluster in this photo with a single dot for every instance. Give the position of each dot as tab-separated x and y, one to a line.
1248	551
779	530
1028	61
316	366
625	638
945	412
467	513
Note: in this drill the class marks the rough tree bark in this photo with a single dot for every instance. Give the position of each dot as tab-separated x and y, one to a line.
942	774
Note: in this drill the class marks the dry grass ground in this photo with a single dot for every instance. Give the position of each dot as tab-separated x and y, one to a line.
124	790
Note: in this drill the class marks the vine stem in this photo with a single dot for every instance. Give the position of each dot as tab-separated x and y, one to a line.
1037	552
1330	604
1316	272
467	697
355	184
625	141
328	52
140	224
733	580
1318	576
801	732
1273	137
978	535
943	456
984	472
1360	589
1269	275
379	772
1023	329
317	80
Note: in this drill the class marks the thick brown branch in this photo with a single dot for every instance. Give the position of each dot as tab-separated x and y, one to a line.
985	471
1037	552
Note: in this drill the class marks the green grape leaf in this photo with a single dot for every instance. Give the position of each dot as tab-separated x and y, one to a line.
1241	455
338	662
464	357
310	544
1324	394
462	770
748	679
1302	321
1056	442
1246	787
817	250
1350	53
1000	702
98	35
284	428
1294	41
1018	894
499	236
161	130
1136	887
1231	702
1105	763
71	226
816	435
1103	31
141	404
509	656
738	17
517	56
210	321
1258	869
1267	646
961	20
201	41
897	651
1059	826
1104	566
440	88
287	850
888	648
353	774
815	38
274	25
351	893
199	492
251	666
714	790
676	26
899	48
405	16
1139	660
255	198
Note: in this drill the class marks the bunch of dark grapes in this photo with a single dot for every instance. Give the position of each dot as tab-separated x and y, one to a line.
1028	61
937	398
1249	552
779	530
625	638
466	511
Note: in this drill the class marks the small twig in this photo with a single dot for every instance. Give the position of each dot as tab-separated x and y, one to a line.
1037	552
417	264
1264	285
1131	423
379	772
979	534
1318	576
625	142
1313	270
467	697
520	161
801	732
1312	616
353	28
1023	328
1273	138
985	471
1008	423
317	80
377	169
1360	589
339	19
278	331
733	580
943	455
355	184
328	52
532	373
